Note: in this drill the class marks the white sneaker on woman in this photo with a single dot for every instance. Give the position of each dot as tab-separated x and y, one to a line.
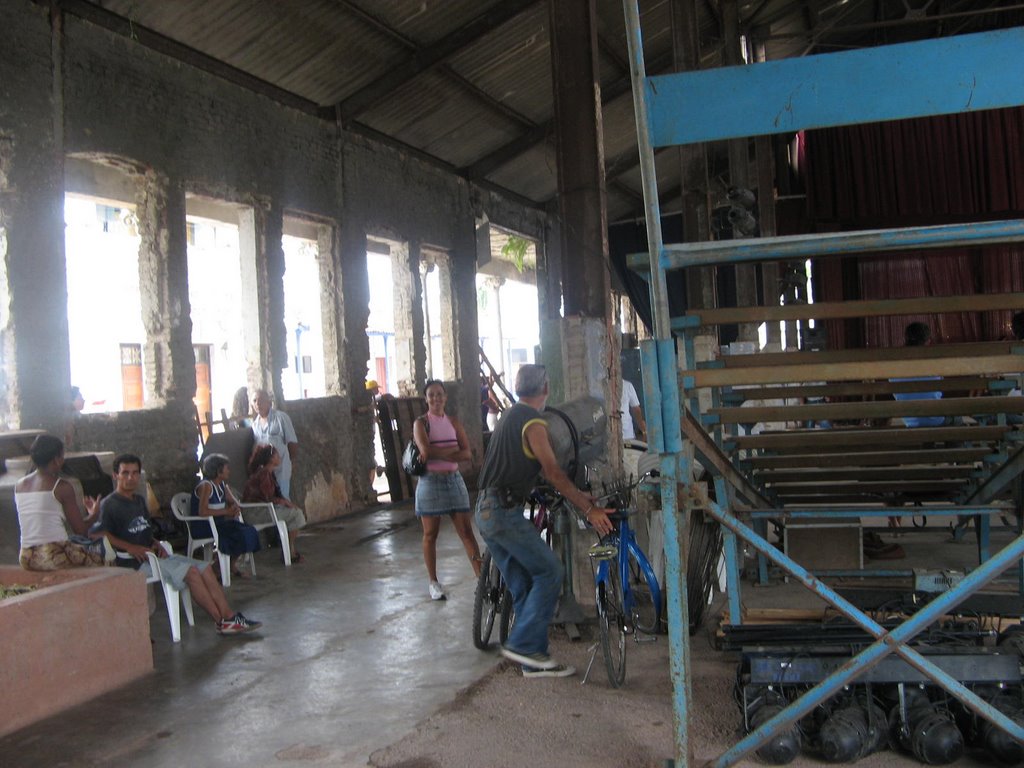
437	591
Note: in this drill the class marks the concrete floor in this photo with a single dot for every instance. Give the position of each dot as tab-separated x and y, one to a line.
352	654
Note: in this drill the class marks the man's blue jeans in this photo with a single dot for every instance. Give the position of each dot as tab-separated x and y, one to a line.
531	570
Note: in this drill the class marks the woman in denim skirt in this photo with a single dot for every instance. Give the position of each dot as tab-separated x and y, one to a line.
442	491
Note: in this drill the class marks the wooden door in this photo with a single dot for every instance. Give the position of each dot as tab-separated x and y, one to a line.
204	379
131	376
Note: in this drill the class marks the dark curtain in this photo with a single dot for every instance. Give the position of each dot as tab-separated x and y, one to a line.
929	171
631	237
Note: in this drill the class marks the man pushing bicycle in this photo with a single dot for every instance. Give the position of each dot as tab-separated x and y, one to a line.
518	453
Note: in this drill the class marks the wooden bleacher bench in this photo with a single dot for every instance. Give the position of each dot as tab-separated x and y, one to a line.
864	463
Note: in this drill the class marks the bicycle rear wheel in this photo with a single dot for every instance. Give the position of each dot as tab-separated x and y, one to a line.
612	625
486	602
645	612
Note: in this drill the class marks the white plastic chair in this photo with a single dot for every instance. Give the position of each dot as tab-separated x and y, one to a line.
282	527
171	594
181	506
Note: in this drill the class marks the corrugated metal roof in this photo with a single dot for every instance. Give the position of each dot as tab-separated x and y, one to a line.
493	88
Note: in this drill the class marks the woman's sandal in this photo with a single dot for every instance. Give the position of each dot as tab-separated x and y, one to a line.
296	558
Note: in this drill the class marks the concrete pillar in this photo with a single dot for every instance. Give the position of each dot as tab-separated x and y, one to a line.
589	338
408	312
261	258
450	308
549	298
331	308
35	368
580	150
426	266
497	354
168	358
355	306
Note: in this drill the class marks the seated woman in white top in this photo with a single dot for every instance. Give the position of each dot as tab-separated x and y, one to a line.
46	502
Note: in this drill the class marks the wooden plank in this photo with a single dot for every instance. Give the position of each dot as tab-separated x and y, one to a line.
859	388
791	490
825	501
933	352
811	475
879	409
874	437
855	371
868	459
929	305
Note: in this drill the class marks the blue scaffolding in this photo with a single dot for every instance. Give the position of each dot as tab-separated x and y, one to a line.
940	76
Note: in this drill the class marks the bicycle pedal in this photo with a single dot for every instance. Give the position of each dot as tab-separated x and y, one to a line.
640	637
603	552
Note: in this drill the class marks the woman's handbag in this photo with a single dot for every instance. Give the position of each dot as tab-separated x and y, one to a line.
412	461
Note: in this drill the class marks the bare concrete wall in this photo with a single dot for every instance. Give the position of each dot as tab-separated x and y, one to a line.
164	438
324	429
90	93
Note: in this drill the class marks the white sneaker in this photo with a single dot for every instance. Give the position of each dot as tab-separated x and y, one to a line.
437	591
559	670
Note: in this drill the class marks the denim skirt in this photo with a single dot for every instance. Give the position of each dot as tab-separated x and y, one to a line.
441	494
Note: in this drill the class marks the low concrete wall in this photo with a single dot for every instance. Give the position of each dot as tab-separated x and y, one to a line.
80	633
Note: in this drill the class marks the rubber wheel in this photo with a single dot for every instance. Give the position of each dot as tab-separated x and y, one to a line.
508	616
612	626
701	572
486	600
646	615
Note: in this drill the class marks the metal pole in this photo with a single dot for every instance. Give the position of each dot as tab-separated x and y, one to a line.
661	386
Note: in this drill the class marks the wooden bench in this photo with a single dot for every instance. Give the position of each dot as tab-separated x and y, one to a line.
865	463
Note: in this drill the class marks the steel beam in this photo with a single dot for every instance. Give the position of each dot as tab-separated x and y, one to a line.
999	480
892	82
680	255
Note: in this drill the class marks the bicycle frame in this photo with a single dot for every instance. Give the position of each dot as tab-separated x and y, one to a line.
625	541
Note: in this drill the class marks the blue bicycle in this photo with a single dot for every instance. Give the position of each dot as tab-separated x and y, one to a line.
627	591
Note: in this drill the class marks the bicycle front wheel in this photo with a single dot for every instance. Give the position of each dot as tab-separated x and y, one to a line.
612	625
645	610
486	602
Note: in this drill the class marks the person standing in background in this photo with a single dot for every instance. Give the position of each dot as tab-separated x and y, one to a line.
76	404
633	425
240	409
274	427
442	491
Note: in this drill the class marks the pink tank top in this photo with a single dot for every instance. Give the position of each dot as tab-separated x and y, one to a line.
442	434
